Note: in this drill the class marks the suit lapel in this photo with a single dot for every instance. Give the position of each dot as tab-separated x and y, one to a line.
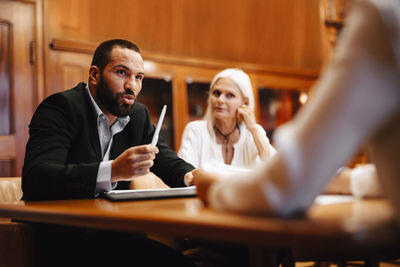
92	127
94	141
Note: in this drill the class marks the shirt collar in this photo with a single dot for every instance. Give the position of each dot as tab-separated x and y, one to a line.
122	120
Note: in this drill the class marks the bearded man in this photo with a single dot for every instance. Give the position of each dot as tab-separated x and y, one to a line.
91	139
95	137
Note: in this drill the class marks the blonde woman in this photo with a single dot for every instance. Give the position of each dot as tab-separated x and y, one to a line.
227	139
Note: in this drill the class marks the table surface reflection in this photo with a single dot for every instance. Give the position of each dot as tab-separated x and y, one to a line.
332	219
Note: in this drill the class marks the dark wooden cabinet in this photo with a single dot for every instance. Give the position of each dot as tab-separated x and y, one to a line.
155	94
278	106
197	93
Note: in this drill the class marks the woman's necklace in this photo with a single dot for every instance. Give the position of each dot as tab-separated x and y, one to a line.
226	139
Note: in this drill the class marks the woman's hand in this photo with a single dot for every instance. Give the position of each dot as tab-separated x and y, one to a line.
246	113
203	180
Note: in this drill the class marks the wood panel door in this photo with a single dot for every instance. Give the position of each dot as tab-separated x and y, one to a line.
16	83
66	70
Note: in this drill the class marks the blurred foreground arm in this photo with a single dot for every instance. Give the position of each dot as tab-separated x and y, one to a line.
352	100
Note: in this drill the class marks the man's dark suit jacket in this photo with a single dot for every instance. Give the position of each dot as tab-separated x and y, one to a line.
63	152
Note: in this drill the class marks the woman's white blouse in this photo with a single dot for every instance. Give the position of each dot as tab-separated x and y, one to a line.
199	147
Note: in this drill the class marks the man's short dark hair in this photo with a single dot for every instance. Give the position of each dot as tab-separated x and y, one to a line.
102	54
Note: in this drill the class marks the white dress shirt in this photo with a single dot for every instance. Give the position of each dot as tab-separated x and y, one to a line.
106	134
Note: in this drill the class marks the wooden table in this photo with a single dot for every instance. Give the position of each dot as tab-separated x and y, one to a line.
334	225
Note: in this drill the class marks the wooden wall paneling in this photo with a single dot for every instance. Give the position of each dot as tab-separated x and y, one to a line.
39	71
253	78
201	65
69	19
282	33
180	114
305	27
326	33
250	31
332	16
284	81
37	48
7	156
72	74
66	70
8	147
6	167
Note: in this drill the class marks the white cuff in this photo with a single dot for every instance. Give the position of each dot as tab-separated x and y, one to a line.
103	183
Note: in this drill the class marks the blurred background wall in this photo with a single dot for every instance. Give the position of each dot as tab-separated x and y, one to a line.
47	45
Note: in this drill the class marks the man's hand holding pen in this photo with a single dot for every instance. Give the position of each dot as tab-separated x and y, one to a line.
137	161
133	162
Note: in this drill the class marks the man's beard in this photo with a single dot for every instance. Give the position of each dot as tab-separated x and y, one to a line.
112	103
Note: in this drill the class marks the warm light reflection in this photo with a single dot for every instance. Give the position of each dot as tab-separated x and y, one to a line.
330	10
149	66
193	207
303	98
369	212
189	80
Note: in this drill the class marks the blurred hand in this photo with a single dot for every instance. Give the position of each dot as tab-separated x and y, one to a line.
134	161
189	179
246	113
147	181
203	180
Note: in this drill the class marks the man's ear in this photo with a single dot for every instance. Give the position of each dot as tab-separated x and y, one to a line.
246	101
94	75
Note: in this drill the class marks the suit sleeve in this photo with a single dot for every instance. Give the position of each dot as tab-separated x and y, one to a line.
169	167
49	172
